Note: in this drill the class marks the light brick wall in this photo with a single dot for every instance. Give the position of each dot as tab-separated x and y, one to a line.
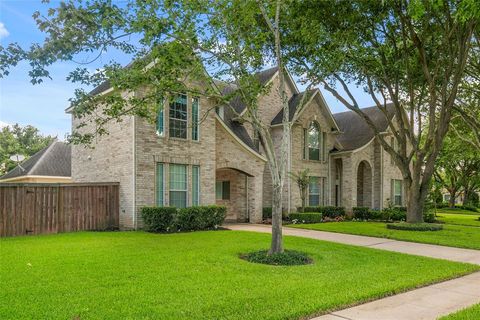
151	149
110	160
231	154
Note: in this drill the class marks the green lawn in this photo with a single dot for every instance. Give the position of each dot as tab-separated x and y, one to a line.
459	219
456	211
451	235
136	275
472	313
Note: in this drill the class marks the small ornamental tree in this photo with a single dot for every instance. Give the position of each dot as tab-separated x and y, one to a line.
302	179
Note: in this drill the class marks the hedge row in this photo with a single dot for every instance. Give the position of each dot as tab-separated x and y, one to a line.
415	226
388	214
326	211
305	217
171	219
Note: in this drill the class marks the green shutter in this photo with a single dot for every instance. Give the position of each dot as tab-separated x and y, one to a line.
160	185
195	118
161	118
305	144
195	185
226	190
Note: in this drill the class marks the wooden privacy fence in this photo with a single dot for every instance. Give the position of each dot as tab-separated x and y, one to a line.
39	208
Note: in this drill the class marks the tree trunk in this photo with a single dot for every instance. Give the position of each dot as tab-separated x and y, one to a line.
451	202
415	202
277	242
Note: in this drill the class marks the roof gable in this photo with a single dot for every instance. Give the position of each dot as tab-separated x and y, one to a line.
355	131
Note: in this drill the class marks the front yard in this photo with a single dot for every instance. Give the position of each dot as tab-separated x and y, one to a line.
451	235
126	275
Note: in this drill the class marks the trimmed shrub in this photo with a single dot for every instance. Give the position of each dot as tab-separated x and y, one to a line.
415	226
327	211
361	213
287	258
267	213
467	207
375	215
305	217
429	216
171	219
333	212
200	218
159	219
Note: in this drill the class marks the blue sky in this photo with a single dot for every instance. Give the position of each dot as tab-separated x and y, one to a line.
43	105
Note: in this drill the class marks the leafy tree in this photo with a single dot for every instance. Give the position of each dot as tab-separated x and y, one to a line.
19	140
180	43
412	54
302	179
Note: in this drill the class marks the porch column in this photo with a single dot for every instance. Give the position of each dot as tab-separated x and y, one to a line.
255	198
349	184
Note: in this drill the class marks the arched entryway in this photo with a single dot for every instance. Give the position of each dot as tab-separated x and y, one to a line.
364	184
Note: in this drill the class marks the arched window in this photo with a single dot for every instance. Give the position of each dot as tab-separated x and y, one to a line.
313	141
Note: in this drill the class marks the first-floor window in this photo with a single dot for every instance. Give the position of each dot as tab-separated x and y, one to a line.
178	185
314	192
160	185
397	192
195	185
222	190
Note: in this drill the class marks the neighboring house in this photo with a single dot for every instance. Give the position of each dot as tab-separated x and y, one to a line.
179	162
52	164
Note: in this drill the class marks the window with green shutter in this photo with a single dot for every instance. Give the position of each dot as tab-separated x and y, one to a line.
178	185
160	183
178	117
195	185
314	191
397	192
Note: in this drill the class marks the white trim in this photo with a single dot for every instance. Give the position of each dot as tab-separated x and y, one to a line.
36	177
238	139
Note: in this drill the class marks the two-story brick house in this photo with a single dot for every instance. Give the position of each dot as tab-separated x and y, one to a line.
180	161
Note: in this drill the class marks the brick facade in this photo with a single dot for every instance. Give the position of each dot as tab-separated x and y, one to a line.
131	151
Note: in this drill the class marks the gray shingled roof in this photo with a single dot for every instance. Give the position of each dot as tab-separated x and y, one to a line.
292	106
53	160
355	131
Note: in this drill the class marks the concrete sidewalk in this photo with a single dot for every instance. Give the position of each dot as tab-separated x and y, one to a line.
427	303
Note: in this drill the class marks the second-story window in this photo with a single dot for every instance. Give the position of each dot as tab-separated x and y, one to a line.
313	140
178	117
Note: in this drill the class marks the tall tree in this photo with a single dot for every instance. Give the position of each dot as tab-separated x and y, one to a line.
177	41
412	54
458	168
19	140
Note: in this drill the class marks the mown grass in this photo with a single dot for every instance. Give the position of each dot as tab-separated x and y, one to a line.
459	219
451	235
456	211
471	313
136	275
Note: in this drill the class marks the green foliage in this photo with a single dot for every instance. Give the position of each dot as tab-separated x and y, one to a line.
302	179
469	313
19	140
286	258
361	213
415	226
305	217
200	217
159	219
327	211
171	219
267	213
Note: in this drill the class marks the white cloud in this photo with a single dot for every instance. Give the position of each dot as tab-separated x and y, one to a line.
3	124
3	31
